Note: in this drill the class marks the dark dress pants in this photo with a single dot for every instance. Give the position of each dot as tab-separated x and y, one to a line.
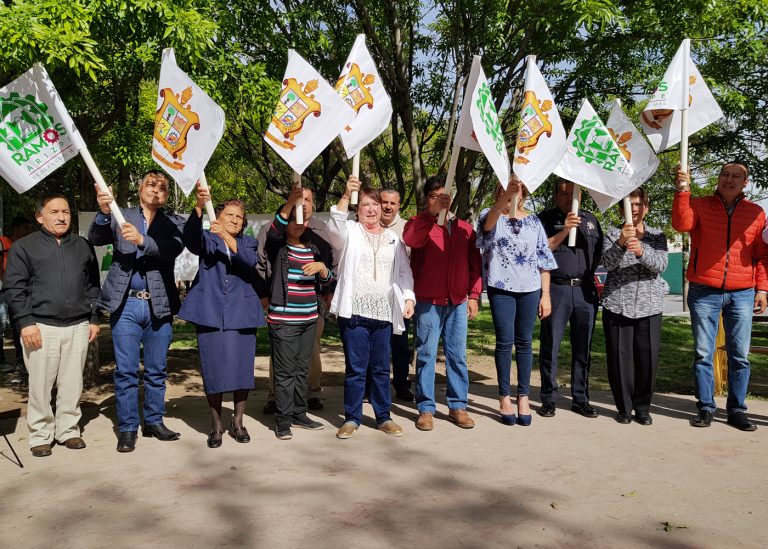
632	353
292	346
577	306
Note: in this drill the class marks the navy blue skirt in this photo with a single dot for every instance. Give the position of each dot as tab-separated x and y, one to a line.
226	359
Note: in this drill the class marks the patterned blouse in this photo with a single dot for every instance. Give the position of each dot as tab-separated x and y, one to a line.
514	253
634	287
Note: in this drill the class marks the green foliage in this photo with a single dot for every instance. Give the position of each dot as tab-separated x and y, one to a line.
104	57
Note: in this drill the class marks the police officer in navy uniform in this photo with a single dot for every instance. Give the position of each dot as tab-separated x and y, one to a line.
574	299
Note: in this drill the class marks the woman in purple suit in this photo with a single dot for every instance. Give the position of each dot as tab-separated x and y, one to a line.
223	304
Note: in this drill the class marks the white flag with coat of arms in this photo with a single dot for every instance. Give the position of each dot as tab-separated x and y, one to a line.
37	135
188	125
308	116
360	86
592	157
540	140
634	148
662	115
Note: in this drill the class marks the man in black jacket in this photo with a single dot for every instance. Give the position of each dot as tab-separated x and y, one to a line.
51	284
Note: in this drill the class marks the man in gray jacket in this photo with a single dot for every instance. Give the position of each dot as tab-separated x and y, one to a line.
51	284
141	296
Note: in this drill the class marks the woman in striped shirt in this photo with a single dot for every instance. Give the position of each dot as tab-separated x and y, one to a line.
299	268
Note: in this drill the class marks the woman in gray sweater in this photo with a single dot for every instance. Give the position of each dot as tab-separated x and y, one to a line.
633	301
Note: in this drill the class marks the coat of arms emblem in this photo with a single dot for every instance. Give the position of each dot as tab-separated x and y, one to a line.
295	104
354	88
533	125
622	141
173	121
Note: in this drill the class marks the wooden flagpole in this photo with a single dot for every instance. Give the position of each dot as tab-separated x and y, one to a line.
300	202
355	172
113	207
575	199
208	204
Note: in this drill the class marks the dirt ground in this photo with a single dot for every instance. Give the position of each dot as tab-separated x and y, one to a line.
567	481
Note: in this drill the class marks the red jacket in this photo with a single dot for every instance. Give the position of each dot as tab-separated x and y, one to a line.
446	266
726	252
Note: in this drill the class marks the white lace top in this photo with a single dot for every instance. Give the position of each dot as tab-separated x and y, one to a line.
372	293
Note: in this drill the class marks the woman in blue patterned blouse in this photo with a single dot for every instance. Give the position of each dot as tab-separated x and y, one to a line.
516	265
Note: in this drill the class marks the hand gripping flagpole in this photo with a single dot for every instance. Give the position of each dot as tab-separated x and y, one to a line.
356	173
96	174
684	112
208	204
575	199
299	202
449	180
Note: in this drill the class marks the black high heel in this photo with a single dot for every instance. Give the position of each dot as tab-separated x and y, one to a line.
214	439
240	434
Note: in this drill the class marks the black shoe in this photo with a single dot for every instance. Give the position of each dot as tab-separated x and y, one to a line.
270	407
126	442
314	403
704	419
643	418
584	409
547	409
283	433
406	395
741	422
624	418
160	432
240	434
306	423
214	439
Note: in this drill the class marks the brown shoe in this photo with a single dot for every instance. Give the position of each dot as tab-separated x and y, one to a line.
425	421
461	418
74	443
391	428
43	450
347	429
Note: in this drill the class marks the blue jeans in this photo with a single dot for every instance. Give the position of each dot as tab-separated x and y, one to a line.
450	322
514	315
705	304
132	326
366	345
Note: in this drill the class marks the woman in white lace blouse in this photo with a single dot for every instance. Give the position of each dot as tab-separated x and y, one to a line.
633	300
373	295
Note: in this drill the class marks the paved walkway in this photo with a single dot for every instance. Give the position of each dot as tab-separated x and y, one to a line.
564	482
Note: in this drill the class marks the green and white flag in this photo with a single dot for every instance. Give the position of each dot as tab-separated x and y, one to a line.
662	115
634	148
592	157
37	135
486	134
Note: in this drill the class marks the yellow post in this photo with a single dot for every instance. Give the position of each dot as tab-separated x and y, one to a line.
721	361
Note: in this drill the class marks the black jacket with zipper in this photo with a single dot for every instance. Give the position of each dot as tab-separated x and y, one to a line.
50	282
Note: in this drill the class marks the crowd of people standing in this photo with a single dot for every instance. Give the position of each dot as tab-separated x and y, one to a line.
381	277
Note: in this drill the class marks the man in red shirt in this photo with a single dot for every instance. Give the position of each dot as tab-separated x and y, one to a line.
447	280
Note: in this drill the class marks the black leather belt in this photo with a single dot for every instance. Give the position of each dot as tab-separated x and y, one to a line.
567	281
139	294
